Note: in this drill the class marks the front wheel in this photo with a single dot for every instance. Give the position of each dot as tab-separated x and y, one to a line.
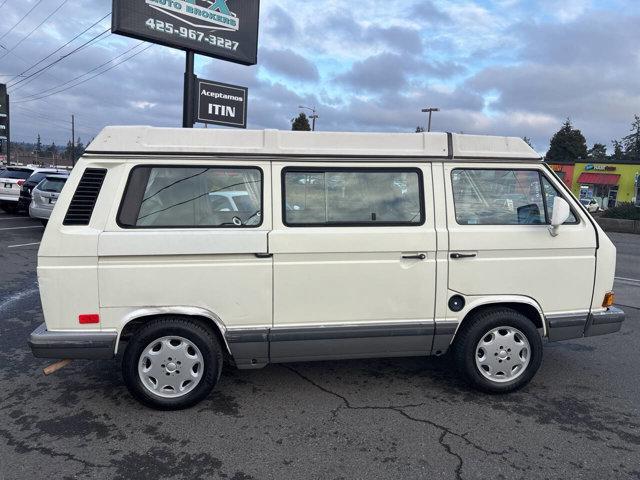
498	350
172	363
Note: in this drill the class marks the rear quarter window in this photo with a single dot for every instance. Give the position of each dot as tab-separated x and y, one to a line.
192	197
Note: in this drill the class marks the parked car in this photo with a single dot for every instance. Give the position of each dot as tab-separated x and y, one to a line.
29	184
178	286
591	205
11	179
45	195
11	182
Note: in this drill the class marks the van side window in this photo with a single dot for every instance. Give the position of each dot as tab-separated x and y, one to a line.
191	197
498	197
360	197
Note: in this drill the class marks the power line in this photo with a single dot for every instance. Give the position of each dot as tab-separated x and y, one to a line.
2	4
48	17
20	21
60	48
48	66
36	75
86	80
48	117
84	74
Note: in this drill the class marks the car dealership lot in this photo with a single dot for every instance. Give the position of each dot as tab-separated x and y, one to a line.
392	418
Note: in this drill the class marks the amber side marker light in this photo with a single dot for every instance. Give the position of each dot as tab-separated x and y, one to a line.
609	299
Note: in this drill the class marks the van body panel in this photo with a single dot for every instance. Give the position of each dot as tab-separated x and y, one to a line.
62	305
212	269
558	272
337	280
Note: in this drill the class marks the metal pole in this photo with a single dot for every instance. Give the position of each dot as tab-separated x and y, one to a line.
73	140
430	110
189	94
313	121
9	132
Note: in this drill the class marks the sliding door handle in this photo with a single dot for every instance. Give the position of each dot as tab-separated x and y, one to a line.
419	256
457	255
263	255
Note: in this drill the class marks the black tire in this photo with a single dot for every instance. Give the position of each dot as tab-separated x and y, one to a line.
477	327
200	336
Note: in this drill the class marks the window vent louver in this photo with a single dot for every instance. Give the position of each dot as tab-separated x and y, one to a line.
85	196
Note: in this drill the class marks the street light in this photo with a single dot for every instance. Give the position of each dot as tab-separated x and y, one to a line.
430	110
313	116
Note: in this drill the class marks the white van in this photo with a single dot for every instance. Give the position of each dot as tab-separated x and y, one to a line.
186	248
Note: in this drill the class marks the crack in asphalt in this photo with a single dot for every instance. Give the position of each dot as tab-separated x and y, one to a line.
25	447
444	431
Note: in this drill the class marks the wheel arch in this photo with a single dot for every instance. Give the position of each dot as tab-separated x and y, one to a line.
136	319
524	305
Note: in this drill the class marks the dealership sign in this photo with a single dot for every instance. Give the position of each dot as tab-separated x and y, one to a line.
224	29
221	104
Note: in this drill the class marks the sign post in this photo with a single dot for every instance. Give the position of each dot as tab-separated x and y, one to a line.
189	97
5	124
222	29
221	104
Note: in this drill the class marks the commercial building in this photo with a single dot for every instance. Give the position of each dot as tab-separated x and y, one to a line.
608	183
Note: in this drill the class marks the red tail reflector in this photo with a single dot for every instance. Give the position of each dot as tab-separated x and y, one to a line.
89	318
20	182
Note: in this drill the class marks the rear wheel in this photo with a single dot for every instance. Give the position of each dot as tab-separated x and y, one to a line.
172	363
498	350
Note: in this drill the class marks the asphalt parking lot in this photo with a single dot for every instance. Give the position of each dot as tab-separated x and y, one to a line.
392	418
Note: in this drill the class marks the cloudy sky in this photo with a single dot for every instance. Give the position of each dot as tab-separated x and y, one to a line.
508	67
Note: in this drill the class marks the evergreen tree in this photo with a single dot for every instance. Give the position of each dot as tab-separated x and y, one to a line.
597	153
527	140
301	123
631	142
618	151
567	145
38	146
420	129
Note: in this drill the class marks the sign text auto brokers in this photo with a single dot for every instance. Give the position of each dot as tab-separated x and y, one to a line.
224	29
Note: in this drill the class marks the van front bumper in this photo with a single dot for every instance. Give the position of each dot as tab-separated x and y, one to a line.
601	323
578	326
75	345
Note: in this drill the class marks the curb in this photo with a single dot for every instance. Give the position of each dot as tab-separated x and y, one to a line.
619	225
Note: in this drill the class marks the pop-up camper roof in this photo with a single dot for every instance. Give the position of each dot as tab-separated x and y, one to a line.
199	141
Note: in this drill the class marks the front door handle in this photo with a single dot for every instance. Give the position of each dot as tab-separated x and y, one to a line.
457	255
263	255
419	256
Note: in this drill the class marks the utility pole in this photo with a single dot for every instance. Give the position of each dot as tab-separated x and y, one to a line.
313	116
73	140
430	110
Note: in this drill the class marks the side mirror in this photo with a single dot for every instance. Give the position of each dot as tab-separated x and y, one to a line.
561	212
